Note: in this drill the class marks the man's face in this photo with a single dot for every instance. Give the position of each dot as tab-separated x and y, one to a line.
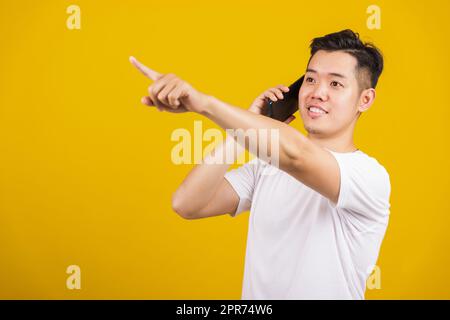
331	84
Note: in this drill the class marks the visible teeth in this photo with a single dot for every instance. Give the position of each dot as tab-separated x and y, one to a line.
316	110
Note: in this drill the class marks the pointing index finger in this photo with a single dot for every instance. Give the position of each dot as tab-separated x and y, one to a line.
146	71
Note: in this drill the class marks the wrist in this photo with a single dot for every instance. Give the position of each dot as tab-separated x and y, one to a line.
208	106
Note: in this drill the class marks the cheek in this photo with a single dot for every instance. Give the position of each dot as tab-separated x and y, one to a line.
343	101
302	94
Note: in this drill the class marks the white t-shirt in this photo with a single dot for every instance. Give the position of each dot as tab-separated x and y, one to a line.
302	246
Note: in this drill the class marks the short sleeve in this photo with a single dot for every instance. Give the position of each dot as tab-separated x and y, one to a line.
364	187
244	180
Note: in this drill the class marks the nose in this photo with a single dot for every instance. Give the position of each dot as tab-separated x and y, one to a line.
320	92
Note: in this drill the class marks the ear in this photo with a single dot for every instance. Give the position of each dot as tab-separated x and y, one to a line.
366	99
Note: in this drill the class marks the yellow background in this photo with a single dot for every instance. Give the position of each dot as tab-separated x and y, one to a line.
86	176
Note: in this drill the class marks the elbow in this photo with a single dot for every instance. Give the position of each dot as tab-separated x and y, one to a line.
180	207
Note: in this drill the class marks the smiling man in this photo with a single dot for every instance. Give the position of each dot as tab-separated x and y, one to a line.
318	219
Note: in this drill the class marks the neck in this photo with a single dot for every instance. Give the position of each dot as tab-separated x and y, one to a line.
339	142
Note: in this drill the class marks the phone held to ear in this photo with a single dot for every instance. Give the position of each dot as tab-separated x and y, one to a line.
284	108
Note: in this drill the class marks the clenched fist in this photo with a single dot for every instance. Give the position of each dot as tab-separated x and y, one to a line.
170	93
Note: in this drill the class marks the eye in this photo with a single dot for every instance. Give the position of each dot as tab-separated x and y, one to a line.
309	79
336	84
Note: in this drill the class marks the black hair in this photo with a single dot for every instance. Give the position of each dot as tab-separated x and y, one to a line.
369	58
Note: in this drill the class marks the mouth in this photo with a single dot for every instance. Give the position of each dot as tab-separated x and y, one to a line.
315	111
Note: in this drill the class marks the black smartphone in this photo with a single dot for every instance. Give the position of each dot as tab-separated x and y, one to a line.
284	108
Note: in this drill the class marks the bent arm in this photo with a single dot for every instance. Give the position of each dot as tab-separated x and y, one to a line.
205	192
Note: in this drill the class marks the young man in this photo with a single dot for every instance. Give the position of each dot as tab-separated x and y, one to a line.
317	221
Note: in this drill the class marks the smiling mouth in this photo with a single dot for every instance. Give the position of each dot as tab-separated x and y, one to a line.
316	110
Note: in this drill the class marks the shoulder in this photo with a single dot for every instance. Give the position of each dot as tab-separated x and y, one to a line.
364	170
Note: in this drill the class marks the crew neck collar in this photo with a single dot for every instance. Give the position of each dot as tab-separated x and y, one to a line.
350	152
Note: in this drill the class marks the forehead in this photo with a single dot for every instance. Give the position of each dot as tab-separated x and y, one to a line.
325	62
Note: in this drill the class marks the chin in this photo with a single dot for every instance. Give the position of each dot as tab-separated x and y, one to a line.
312	130
316	130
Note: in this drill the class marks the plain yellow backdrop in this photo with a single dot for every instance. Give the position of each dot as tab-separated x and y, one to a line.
86	176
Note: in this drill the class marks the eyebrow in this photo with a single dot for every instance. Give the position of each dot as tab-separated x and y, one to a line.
331	73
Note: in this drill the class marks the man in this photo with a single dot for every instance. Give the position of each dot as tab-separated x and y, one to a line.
316	224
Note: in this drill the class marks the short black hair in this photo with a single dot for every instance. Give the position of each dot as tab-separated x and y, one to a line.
369	58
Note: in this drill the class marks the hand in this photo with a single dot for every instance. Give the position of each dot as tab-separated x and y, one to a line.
170	93
273	94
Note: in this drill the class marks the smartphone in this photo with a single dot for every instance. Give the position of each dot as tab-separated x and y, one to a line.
284	108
